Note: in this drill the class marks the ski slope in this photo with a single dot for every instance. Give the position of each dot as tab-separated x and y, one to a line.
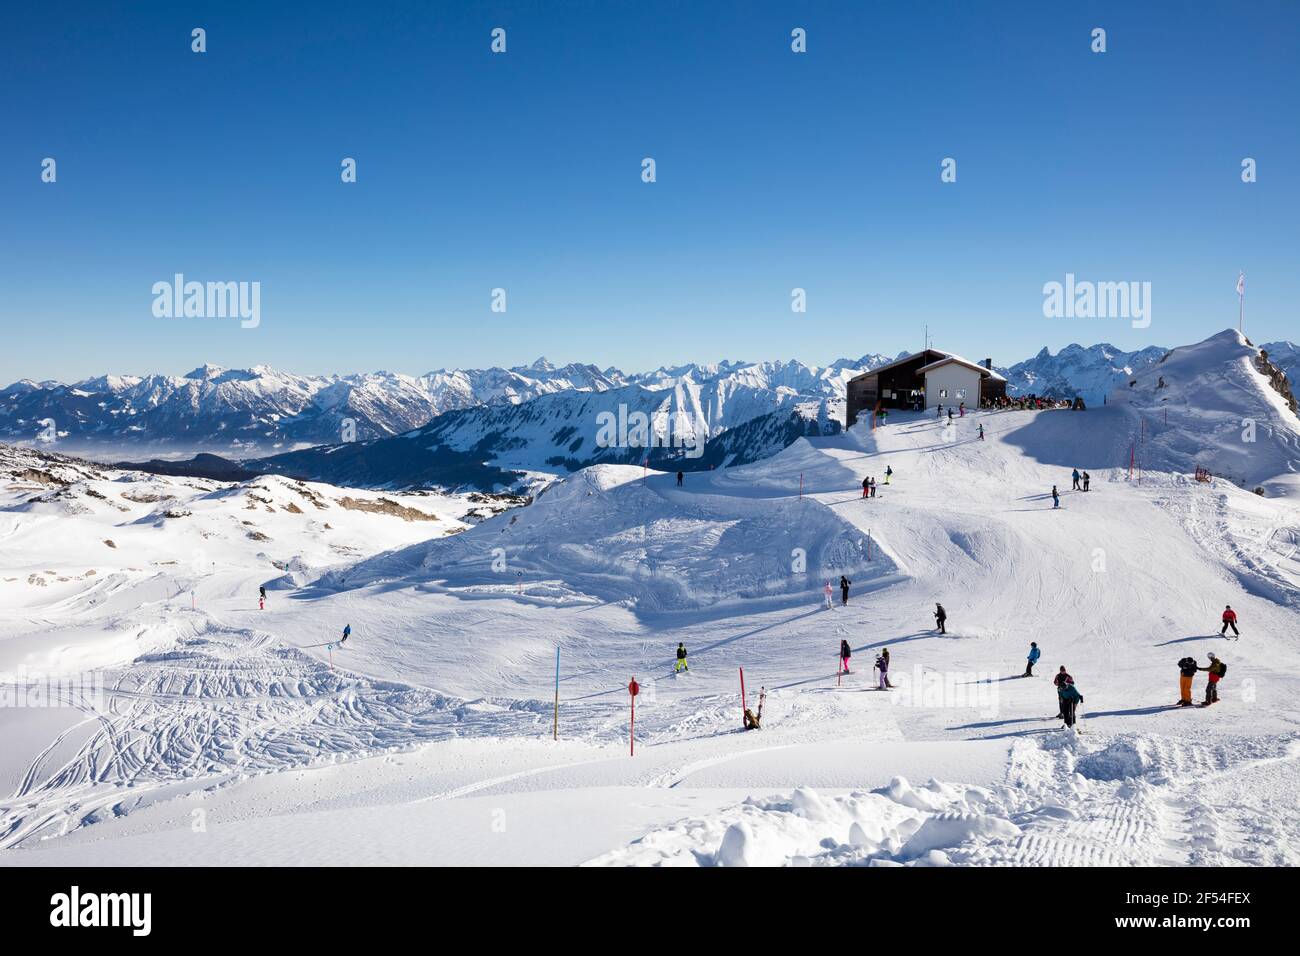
427	738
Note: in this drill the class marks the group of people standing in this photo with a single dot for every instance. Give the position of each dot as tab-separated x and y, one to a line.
882	664
1081	480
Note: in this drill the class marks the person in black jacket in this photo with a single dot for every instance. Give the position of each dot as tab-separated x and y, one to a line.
844	589
1062	680
845	653
940	615
681	664
1186	672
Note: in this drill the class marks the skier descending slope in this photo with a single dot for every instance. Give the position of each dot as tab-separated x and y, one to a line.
940	616
1229	620
1217	670
347	632
1032	659
681	664
844	589
1186	672
845	653
889	473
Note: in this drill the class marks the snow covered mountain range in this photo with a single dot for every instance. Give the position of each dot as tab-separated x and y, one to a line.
262	411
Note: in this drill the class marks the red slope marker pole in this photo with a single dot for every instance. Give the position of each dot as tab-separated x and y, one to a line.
633	689
742	696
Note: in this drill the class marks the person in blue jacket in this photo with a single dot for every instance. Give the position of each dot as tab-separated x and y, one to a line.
347	632
1033	659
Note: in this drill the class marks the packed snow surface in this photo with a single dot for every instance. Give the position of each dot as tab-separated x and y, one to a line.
186	725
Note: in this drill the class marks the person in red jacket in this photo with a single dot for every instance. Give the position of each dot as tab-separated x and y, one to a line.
1229	620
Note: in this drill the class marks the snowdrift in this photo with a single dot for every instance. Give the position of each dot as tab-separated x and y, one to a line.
609	534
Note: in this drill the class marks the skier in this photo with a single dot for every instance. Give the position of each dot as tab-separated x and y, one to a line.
845	653
866	487
884	653
882	665
939	411
1229	620
888	473
940	615
1074	477
347	632
1087	481
681	664
1070	701
1033	659
962	409
949	416
261	592
680	476
844	589
873	487
1056	498
1216	672
261	603
981	431
1061	680
826	591
1186	672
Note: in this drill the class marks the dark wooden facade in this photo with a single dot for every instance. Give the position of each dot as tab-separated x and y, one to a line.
896	385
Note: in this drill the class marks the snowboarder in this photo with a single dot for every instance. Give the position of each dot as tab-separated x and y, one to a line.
681	664
1229	620
882	665
981	431
1070	701
1061	680
884	653
1056	498
844	589
1216	672
1087	481
940	615
680	476
866	487
826	592
888	473
845	653
347	632
1032	659
1186	672
1074	477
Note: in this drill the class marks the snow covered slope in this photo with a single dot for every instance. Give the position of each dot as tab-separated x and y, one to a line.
1209	405
433	724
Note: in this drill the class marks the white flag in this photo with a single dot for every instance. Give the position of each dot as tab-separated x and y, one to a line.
1241	284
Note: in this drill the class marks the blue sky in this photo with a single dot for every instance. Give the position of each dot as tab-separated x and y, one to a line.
522	171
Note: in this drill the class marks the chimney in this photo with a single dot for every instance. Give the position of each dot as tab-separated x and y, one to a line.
988	364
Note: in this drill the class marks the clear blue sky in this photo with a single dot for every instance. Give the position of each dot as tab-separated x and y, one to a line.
522	171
